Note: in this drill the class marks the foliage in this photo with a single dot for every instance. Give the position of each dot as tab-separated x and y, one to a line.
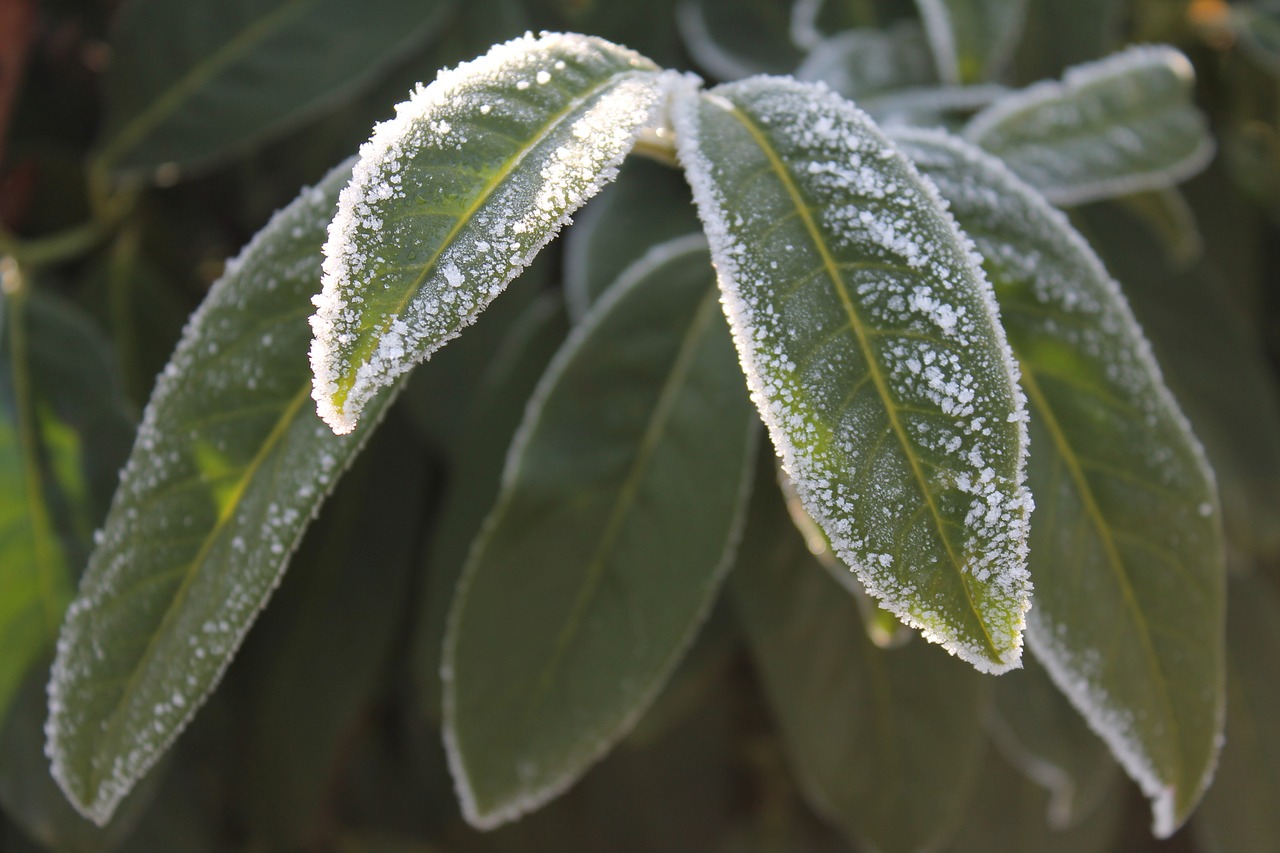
995	275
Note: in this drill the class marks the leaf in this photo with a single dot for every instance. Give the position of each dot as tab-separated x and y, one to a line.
1039	732
620	509
1120	125
64	432
972	39
866	63
1127	550
933	106
887	743
1239	811
872	349
730	39
229	466
648	204
454	197
192	80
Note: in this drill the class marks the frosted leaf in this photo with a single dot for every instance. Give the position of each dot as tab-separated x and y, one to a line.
227	470
866	63
971	39
453	197
873	350
1126	549
1120	125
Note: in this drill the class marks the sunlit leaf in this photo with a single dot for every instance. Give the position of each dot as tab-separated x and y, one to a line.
862	64
1239	812
1126	545
887	743
453	198
730	39
191	80
620	510
873	351
972	39
1120	125
229	466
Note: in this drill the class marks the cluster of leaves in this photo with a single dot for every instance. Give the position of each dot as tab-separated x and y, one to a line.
520	574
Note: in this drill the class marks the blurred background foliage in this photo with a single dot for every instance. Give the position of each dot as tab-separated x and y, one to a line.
122	196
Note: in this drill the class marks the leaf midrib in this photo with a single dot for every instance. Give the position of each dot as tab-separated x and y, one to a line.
855	323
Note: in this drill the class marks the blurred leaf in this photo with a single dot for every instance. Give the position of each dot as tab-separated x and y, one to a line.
192	80
647	27
648	204
620	509
429	231
1008	816
1257	25
332	616
1127	547
862	64
814	21
1120	125
730	39
887	743
1039	732
64	431
1239	812
502	388
1171	220
972	39
872	348
1061	33
229	466
933	106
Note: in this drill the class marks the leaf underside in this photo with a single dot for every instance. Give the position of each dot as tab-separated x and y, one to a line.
873	352
453	197
228	468
1126	548
620	511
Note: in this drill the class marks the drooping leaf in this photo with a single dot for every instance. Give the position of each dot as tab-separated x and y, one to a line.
1120	125
862	64
730	39
972	39
64	431
229	466
192	80
648	204
620	510
887	743
474	472
1039	732
1126	546
454	197
873	352
1239	812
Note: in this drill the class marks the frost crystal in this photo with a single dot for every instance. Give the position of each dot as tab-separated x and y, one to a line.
453	197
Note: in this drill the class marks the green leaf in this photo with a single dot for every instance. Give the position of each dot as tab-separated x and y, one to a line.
648	204
192	80
64	432
972	39
863	64
872	349
1120	125
455	196
887	743
229	466
1239	812
730	39
1127	548
1039	732
620	510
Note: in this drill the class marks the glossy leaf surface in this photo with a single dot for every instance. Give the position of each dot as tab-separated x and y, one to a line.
1126	546
872	349
1116	126
620	510
191	80
971	39
887	743
229	466
453	198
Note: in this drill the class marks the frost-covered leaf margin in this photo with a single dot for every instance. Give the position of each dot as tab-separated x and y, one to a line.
477	172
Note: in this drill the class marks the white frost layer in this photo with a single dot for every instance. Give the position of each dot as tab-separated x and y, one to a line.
867	209
1059	137
580	138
